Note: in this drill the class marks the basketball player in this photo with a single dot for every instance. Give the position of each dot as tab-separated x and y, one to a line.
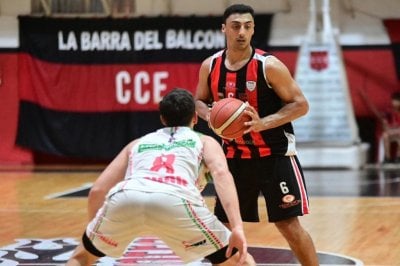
263	160
153	191
391	130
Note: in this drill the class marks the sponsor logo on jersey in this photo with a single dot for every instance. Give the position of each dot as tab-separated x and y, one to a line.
169	179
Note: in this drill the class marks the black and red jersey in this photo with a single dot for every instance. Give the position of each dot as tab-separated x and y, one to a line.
249	84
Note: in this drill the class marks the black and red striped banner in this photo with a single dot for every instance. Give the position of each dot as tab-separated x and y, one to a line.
88	86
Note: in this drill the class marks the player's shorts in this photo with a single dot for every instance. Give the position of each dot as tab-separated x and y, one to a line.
278	178
191	231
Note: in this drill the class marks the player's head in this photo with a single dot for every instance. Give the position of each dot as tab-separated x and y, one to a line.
238	26
237	9
177	108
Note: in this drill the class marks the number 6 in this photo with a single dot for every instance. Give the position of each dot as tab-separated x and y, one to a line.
284	188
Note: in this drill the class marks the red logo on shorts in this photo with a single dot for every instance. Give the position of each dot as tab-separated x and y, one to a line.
107	240
288	198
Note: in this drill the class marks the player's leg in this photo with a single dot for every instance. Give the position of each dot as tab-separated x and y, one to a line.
286	197
219	258
86	253
191	230
116	224
299	240
81	257
245	174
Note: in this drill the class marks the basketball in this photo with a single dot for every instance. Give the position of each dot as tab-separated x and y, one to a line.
227	118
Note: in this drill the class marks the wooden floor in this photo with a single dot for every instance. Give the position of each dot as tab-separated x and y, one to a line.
353	213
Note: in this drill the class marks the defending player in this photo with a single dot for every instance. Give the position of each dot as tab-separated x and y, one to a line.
153	191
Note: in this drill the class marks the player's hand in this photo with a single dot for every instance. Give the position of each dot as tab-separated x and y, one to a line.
237	240
208	118
208	114
255	124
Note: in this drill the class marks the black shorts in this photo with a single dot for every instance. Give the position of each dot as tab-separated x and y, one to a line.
278	178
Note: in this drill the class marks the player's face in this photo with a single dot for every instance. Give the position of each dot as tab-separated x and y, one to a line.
238	29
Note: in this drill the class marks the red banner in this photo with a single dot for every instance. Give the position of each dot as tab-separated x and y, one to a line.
101	88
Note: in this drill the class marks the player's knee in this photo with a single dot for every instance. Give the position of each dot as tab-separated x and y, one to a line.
288	226
289	222
219	257
87	243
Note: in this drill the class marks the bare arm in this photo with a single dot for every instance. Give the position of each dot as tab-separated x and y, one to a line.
112	174
202	95
215	160
289	92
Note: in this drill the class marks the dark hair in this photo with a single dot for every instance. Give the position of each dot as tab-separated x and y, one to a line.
237	8
177	108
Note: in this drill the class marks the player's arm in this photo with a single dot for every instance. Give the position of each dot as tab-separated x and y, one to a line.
282	82
111	175
214	159
202	95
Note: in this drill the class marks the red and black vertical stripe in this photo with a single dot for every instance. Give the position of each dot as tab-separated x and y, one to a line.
249	84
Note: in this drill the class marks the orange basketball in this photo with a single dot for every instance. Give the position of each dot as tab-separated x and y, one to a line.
227	118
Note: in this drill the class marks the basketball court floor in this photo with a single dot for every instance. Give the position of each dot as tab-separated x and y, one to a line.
354	220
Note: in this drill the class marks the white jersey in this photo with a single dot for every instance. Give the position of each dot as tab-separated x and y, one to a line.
166	161
159	197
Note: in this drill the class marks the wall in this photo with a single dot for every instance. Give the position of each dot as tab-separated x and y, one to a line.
369	61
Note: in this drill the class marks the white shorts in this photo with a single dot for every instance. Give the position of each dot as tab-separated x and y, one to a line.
191	231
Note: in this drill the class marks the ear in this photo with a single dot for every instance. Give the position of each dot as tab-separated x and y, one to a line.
162	120
195	118
223	27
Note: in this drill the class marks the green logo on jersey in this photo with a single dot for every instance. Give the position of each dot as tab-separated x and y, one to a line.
176	144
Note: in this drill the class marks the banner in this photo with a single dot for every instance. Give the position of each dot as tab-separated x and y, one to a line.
88	86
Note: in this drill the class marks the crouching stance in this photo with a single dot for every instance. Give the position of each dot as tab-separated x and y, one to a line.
152	188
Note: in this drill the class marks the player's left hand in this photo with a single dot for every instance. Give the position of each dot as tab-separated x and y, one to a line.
255	124
237	240
208	114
